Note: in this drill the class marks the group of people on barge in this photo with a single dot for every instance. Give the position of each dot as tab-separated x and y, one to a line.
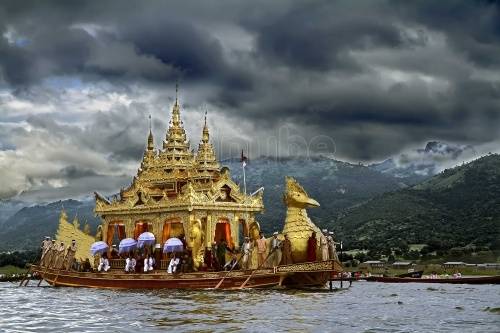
269	253
57	256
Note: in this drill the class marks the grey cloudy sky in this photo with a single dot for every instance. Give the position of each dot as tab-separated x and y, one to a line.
362	79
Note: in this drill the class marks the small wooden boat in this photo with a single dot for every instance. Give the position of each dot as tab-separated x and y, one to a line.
464	280
295	275
417	274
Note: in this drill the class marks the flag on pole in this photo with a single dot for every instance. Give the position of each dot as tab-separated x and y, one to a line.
244	159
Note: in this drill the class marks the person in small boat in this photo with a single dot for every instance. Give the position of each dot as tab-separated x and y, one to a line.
130	263
232	265
323	245
286	249
70	255
103	263
174	263
312	244
247	253
261	249
275	254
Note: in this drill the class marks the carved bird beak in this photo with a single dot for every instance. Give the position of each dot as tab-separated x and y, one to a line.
312	203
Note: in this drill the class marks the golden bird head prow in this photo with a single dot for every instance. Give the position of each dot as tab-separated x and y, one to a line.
296	196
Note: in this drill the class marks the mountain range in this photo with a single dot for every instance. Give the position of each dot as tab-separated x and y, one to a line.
365	205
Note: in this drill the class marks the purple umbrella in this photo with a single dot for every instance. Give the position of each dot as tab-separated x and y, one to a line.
127	245
146	238
173	245
98	248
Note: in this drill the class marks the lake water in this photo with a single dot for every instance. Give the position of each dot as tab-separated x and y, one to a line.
365	307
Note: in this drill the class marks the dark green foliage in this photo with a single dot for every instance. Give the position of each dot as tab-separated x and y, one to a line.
19	259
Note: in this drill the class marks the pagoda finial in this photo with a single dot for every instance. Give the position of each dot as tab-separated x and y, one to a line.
176	113
206	135
151	145
177	92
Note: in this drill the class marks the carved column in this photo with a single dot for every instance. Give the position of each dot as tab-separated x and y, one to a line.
156	221
105	229
129	227
234	231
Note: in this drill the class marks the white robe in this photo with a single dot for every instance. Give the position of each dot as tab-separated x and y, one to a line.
130	265
103	265
148	264
172	267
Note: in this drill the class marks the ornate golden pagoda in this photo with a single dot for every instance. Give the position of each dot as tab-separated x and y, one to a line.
178	193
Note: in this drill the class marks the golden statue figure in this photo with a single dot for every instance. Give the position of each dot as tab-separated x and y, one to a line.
195	242
298	226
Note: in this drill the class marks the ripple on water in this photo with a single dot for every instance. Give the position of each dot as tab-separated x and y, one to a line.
366	307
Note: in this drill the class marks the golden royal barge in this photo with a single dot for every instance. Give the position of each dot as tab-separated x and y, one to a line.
177	193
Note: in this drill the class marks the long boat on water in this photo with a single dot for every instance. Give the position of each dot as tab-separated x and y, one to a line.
294	275
180	194
463	280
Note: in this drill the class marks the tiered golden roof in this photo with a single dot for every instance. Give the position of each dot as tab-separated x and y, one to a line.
175	184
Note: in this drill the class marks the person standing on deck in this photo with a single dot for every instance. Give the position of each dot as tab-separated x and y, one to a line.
331	246
286	249
247	252
58	258
49	253
70	256
46	244
312	244
275	255
261	249
209	258
221	253
323	244
61	255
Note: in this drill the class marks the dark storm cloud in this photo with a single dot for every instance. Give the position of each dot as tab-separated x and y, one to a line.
374	76
472	27
318	35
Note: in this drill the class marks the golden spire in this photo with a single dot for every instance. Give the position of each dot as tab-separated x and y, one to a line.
207	162
151	145
176	112
176	146
206	135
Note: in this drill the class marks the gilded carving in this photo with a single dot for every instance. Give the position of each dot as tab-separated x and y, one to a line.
298	226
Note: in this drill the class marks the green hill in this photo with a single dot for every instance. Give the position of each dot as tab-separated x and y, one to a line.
458	208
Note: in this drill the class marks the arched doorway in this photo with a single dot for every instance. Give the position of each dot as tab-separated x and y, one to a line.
140	227
172	228
115	233
223	232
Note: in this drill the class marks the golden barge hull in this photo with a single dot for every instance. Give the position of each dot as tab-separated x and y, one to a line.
297	275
